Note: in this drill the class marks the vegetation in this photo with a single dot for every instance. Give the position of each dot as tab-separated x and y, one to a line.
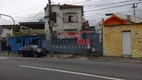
17	34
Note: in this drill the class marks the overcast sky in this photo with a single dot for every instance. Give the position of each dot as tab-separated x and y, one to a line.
30	10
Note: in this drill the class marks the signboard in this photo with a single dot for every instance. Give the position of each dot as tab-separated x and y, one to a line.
71	34
68	34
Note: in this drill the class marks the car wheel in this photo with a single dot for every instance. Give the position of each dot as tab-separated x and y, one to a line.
22	55
35	55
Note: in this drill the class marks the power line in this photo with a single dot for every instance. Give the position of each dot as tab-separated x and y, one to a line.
36	15
110	4
138	10
107	12
109	7
76	2
28	10
107	4
81	2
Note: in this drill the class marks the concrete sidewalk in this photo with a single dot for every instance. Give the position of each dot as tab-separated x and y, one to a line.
82	57
5	53
103	59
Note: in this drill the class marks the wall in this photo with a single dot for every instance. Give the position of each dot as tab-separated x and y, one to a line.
39	31
60	24
112	40
16	45
5	31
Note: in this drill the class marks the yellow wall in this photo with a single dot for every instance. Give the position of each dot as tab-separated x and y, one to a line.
112	40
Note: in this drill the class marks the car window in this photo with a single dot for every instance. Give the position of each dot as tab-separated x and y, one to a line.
34	46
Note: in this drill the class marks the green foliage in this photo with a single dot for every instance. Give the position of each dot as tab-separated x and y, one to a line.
17	34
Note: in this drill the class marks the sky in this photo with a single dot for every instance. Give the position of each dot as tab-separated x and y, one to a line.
33	10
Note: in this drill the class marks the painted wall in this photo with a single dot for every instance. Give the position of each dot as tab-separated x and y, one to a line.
6	31
16	45
112	40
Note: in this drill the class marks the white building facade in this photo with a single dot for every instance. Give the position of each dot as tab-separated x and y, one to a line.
65	18
5	32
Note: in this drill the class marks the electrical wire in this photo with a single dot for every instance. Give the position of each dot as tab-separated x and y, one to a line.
81	2
36	15
107	12
97	9
108	4
138	10
28	10
109	7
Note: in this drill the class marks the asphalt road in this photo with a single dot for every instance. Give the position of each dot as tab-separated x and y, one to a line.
19	68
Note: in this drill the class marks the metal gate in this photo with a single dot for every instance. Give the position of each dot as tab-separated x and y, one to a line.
71	45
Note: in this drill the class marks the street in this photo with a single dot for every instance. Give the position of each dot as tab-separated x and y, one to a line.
20	68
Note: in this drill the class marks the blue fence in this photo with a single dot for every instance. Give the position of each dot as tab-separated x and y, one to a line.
71	46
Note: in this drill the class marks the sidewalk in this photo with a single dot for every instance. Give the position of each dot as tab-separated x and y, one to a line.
118	59
103	59
82	57
4	53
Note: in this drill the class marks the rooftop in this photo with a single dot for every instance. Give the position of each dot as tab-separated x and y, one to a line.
33	25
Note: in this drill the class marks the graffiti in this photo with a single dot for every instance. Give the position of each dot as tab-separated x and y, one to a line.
64	41
70	35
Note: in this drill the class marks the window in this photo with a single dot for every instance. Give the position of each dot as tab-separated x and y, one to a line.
7	34
34	42
54	17
18	40
70	17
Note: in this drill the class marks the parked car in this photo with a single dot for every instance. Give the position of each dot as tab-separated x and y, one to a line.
32	51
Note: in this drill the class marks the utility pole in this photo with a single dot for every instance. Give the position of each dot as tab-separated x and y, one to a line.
50	28
134	6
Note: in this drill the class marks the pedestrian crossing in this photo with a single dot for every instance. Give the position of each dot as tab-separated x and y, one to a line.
1	57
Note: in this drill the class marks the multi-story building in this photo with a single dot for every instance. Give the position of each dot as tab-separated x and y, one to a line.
64	18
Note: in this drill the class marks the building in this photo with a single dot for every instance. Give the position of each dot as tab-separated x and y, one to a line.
33	28
130	20
64	18
122	38
7	31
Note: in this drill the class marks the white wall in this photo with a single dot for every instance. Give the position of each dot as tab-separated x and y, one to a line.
5	31
61	25
98	27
